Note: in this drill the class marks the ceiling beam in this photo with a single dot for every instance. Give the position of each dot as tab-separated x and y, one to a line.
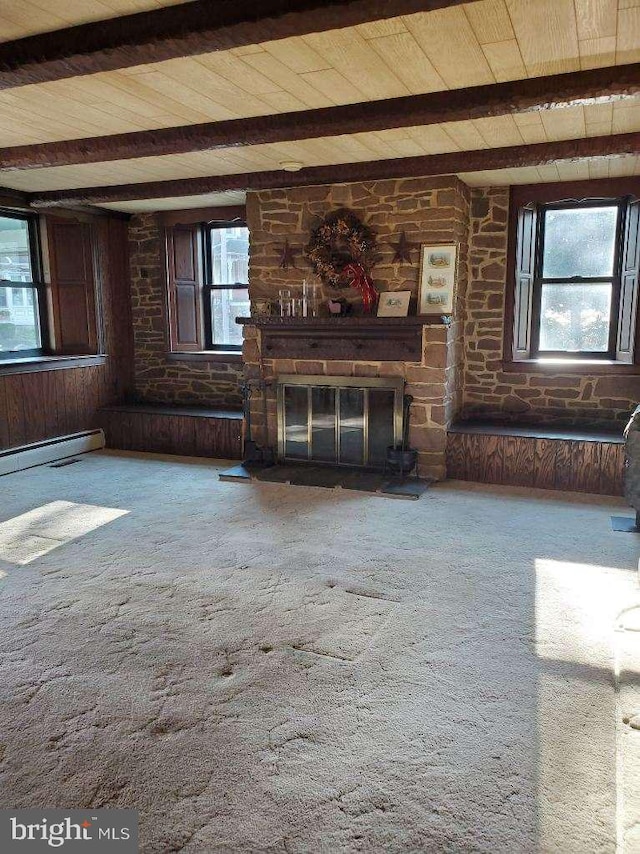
186	29
497	99
516	156
13	198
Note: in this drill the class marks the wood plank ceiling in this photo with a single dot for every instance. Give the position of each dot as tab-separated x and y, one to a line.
478	43
20	18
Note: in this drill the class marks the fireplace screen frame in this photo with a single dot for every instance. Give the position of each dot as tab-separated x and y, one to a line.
395	384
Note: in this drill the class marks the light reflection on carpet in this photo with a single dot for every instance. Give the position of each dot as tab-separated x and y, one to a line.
37	532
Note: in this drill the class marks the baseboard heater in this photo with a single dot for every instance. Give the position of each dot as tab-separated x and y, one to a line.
50	450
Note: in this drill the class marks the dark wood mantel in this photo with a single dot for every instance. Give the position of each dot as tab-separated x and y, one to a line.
343	338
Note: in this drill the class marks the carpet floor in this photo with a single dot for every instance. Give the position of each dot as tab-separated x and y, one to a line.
267	668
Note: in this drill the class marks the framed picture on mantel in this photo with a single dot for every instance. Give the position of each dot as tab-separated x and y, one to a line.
394	304
437	278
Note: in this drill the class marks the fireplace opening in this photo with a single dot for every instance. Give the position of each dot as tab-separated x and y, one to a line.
345	421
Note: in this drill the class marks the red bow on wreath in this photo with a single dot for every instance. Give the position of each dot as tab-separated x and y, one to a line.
363	282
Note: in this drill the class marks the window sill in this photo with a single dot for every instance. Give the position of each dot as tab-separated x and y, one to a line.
587	367
234	356
32	364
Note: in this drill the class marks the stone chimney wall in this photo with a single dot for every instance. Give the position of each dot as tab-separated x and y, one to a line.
430	211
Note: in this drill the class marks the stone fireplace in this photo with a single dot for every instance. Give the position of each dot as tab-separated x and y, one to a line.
421	355
425	378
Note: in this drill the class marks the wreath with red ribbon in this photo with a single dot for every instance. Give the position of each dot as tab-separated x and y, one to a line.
337	244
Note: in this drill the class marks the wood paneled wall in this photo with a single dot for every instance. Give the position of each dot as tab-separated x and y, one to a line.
573	465
111	260
44	404
172	431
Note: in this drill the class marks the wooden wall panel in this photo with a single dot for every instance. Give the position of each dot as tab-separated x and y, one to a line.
585	466
4	420
611	469
74	408
50	402
519	455
42	405
183	435
186	435
15	410
564	474
455	457
472	457
112	265
162	435
490	451
210	436
544	466
575	465
33	406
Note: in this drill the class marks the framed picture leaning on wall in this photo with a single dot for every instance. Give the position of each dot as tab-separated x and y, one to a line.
437	281
394	304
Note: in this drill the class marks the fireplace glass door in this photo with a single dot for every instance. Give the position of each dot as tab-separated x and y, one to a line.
341	421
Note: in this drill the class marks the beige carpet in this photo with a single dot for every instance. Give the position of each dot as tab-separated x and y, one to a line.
283	669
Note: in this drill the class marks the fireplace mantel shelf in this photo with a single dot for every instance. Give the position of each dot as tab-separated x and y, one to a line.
344	324
344	338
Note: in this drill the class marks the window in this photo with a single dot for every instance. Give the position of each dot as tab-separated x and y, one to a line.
576	280
22	294
226	292
60	317
577	283
208	275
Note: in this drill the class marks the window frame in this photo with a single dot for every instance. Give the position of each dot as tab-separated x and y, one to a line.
208	287
37	285
615	280
523	202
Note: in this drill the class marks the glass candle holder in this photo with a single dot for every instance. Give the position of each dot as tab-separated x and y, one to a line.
313	306
310	300
284	302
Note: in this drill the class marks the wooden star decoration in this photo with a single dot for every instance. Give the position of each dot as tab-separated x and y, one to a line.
287	256
403	249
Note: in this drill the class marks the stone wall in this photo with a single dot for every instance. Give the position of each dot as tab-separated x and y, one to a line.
490	392
157	379
429	211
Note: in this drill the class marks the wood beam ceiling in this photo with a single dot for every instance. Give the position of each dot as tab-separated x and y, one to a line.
187	29
438	164
598	85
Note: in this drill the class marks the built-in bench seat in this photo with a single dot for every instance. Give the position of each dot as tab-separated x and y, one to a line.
190	431
573	459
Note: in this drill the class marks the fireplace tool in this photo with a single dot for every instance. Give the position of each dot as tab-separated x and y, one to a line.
268	457
401	459
253	454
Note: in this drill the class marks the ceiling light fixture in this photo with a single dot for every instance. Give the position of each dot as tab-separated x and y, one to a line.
291	165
